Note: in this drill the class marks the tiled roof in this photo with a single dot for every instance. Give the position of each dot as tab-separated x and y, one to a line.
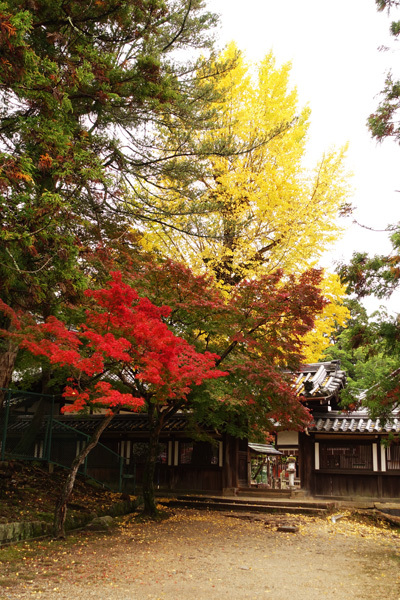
120	423
320	380
355	422
264	449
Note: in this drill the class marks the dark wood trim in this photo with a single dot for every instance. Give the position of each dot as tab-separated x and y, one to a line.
343	436
347	472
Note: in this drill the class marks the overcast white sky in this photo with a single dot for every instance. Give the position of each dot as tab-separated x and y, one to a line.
338	71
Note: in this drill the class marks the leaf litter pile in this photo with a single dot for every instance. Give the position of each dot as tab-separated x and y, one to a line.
205	555
30	492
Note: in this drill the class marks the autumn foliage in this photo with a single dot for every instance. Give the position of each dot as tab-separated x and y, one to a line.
261	209
134	351
256	328
125	340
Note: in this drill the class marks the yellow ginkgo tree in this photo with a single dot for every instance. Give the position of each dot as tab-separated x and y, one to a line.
261	208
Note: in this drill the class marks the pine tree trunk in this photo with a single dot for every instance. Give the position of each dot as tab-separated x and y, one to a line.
60	512
7	362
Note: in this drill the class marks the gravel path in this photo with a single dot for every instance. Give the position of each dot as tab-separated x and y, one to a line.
213	556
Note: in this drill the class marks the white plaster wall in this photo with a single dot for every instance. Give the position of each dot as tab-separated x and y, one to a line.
287	438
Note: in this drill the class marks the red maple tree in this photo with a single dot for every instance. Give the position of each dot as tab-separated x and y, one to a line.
123	337
122	356
257	328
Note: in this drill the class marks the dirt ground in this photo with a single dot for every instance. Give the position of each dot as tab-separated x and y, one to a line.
204	555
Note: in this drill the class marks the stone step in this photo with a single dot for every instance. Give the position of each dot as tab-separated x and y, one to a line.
320	504
263	492
245	506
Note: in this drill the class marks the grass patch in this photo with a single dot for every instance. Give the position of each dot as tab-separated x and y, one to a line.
48	517
10	554
23	551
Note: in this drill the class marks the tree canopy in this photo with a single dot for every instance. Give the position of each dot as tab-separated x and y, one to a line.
380	274
369	355
372	344
218	357
384	122
83	88
260	209
256	328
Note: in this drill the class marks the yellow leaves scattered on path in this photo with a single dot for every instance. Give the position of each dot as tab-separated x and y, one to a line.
205	555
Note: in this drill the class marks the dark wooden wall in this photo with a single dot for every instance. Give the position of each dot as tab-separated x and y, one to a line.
342	483
184	477
367	485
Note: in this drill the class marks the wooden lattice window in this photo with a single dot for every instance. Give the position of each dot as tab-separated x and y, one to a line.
393	457
201	454
350	457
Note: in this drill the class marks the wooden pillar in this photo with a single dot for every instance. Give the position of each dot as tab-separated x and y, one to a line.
235	462
306	462
230	468
226	470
